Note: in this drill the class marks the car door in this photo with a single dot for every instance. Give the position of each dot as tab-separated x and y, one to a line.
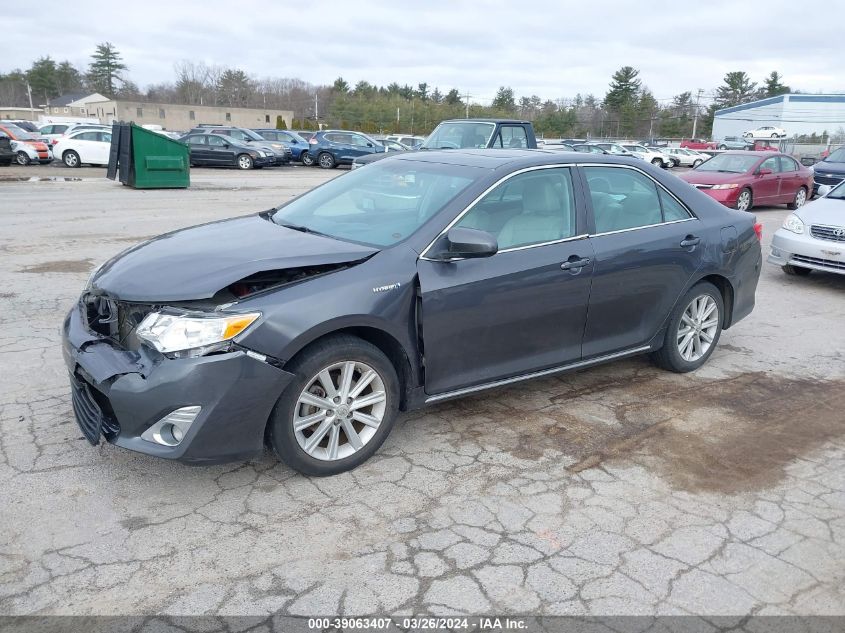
766	187
647	246
523	309
360	146
220	149
85	144
790	179
198	146
101	148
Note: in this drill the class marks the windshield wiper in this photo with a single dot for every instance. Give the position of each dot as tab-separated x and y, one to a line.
302	229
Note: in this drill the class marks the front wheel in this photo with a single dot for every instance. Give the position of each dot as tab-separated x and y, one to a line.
775	136
22	158
696	163
800	199
338	410
306	159
744	200
326	161
71	159
694	330
789	269
245	161
656	162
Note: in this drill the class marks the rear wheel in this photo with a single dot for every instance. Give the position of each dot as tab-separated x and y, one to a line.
22	158
71	159
744	200
245	161
656	162
723	147
326	160
789	269
338	410
774	136
800	199
694	330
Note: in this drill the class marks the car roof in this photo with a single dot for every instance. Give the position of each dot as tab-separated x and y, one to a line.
483	120
517	158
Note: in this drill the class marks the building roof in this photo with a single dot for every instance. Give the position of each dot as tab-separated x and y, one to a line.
792	96
71	98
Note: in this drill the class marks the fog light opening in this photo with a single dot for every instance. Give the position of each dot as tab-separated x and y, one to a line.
172	428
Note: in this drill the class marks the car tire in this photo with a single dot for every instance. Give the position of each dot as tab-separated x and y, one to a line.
696	162
775	136
244	161
656	162
723	147
326	160
329	358
22	158
71	159
800	199
685	347
745	200
306	159
789	269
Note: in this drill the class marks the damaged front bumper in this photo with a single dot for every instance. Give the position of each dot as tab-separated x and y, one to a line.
119	394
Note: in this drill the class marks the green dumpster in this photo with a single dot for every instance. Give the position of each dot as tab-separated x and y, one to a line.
144	159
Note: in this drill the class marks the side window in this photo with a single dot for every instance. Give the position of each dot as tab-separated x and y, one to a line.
87	136
216	141
358	140
513	136
771	163
105	137
531	208
787	164
672	209
197	140
47	129
622	199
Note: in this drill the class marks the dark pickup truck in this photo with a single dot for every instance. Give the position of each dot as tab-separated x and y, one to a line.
471	134
6	152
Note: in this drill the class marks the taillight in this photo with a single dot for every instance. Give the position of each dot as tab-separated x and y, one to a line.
312	141
758	230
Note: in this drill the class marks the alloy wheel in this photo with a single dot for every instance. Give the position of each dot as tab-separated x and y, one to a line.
71	159
326	161
800	198
22	158
697	328
339	410
244	162
743	202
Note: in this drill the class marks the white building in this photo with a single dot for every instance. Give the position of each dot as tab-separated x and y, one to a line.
798	114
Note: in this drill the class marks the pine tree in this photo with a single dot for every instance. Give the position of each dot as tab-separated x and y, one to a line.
624	89
504	100
772	85
104	70
738	88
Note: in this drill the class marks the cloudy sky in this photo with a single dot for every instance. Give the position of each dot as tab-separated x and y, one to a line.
546	47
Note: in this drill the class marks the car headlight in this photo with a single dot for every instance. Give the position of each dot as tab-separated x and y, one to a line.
172	332
732	185
793	223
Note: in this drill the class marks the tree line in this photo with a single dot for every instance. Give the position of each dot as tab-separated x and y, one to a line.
627	109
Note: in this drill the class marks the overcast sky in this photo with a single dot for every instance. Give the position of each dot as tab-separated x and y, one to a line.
545	47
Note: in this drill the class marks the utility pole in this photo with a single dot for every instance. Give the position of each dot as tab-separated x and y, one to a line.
316	108
29	94
695	114
466	100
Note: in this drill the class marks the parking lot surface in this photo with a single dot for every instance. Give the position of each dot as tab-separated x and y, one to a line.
616	490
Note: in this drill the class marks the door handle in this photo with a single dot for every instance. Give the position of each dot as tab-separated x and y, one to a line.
573	264
690	240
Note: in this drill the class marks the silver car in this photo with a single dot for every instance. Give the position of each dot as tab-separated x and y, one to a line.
813	237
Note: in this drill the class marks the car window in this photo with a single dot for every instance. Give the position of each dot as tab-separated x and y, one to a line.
460	135
787	164
196	140
531	208
105	137
359	141
770	163
86	136
622	199
216	141
512	136
672	209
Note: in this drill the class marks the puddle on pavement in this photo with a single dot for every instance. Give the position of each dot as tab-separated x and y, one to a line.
38	179
725	436
62	266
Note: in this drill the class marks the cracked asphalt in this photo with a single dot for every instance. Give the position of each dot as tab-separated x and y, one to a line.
616	490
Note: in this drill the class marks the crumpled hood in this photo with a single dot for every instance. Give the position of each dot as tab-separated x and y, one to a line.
197	262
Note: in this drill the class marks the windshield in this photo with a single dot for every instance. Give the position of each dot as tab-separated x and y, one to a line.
18	133
838	192
836	156
379	205
729	163
460	135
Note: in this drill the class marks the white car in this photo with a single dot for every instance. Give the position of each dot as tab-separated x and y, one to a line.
813	237
687	157
85	146
650	155
767	131
53	131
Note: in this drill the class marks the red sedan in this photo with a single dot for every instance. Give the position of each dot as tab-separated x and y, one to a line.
742	179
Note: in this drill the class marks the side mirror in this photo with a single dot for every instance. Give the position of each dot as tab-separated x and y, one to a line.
464	243
824	190
764	171
369	144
